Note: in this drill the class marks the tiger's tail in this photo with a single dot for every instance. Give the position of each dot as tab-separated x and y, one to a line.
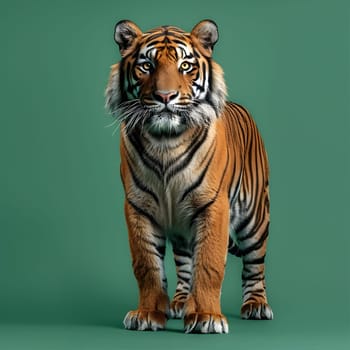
233	248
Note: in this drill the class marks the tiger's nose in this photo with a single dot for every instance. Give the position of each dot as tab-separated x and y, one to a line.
165	96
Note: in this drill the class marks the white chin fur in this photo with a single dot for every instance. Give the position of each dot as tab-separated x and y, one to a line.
166	123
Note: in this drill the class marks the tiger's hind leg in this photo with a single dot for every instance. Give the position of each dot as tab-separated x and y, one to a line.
252	233
255	305
183	262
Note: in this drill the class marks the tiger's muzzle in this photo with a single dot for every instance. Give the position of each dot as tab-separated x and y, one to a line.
164	96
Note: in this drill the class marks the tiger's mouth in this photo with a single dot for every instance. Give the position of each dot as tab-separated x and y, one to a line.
168	108
166	123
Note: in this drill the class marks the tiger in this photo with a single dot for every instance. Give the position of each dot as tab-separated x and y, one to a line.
195	174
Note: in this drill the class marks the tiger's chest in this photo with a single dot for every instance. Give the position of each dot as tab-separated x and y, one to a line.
167	183
167	196
175	210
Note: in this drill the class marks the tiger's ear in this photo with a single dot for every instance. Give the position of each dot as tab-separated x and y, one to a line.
206	32
125	34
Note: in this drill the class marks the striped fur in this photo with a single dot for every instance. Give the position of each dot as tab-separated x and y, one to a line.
195	172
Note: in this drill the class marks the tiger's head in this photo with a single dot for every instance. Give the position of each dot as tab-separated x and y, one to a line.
166	81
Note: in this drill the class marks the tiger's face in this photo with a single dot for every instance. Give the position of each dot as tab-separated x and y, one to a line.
166	81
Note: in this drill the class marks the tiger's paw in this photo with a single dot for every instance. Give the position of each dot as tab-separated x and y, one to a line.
205	323
143	320
177	309
256	311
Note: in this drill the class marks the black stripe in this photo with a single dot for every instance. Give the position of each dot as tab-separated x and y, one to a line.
257	245
260	219
172	32
147	160
236	190
183	274
255	277
159	248
255	165
179	42
122	82
195	138
190	153
181	295
231	134
204	72
231	242
210	148
179	263
251	178
158	236
135	52
151	252
199	87
141	186
145	214
196	53
241	118
256	261
129	87
235	251
240	106
252	280
210	84
233	247
243	224
199	180
255	292
254	230
182	253
152	40
183	286
185	279
121	176
201	209
230	186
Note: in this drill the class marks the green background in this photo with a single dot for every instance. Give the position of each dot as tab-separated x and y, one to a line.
65	272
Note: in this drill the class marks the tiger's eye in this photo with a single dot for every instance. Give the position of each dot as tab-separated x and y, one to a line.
146	66
185	66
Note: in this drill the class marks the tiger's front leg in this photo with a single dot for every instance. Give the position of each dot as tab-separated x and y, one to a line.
147	246
203	310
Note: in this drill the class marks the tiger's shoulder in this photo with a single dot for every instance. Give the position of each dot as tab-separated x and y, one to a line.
235	113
